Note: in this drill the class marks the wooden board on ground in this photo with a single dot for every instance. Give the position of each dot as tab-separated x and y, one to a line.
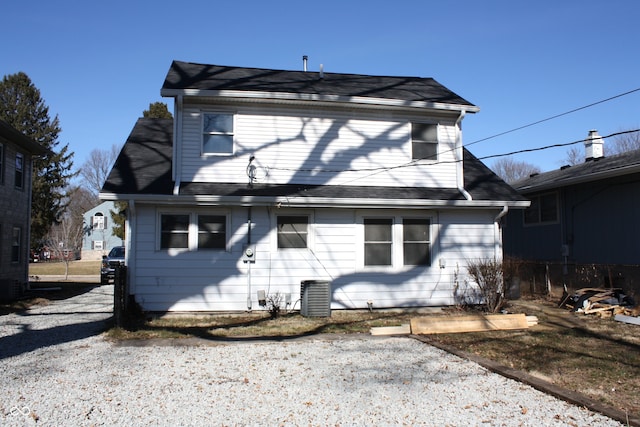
471	323
627	319
391	330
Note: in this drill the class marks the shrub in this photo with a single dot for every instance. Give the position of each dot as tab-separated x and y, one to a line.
489	276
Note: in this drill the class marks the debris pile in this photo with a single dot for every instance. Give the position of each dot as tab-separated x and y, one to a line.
604	302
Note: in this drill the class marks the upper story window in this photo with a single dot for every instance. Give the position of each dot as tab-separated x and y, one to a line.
217	133
543	209
99	222
293	231
424	141
19	176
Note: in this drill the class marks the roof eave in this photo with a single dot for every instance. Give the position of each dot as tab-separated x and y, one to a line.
313	202
316	98
612	173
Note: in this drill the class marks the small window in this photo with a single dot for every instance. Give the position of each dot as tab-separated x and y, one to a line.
217	133
174	231
377	241
416	241
212	231
543	210
16	244
424	141
19	177
293	231
99	221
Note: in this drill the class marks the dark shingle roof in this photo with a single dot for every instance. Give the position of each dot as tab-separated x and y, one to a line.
9	133
187	75
144	168
592	170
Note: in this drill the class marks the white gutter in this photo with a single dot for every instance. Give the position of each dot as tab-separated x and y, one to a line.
289	96
177	133
460	158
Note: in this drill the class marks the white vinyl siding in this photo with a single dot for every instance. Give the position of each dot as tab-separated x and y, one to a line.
217	280
327	149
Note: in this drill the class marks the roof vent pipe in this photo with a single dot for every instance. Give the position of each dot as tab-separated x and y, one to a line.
593	146
304	62
321	71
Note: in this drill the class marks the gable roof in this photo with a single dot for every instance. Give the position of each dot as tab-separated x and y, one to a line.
592	170
143	171
10	134
186	78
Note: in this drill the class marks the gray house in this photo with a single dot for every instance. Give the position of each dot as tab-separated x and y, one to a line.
98	238
16	153
269	179
583	214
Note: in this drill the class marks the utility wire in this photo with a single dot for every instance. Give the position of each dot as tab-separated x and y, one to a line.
553	117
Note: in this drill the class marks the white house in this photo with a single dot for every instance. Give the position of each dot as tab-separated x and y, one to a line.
268	178
98	238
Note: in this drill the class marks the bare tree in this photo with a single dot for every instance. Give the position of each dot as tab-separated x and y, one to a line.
64	240
574	156
96	168
623	143
511	170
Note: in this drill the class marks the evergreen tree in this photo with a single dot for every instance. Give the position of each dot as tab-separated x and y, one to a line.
119	216
22	107
157	110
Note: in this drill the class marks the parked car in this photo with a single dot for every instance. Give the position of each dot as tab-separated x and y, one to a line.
109	264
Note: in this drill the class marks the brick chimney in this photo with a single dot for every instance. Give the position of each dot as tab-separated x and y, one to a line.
593	146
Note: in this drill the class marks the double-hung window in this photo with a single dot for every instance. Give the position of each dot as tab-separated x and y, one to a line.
424	141
193	231
378	241
293	231
217	133
397	242
19	173
16	244
543	210
99	221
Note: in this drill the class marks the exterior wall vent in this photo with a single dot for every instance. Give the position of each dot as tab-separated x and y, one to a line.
315	298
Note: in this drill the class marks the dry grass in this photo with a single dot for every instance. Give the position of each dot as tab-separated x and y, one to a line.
81	268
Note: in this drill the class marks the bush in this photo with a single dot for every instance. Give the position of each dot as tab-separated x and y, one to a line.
489	276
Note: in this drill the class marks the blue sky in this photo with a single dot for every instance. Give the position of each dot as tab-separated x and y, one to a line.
98	65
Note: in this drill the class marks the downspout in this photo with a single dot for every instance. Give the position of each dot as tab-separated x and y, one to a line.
497	237
177	133
249	263
129	258
459	154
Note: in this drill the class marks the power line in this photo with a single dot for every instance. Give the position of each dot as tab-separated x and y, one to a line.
546	147
553	117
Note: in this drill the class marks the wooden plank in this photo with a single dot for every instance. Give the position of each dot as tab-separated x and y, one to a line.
627	319
391	330
455	324
598	309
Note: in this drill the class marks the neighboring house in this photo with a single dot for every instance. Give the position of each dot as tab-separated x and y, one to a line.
583	214
16	153
98	238
269	178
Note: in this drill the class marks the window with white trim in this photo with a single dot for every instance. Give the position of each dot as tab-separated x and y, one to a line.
212	230
98	245
293	231
99	221
378	241
193	231
396	241
217	133
424	141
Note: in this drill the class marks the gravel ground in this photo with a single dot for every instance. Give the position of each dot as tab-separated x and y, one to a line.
58	370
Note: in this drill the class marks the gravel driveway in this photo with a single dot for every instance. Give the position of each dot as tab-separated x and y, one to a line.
58	370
